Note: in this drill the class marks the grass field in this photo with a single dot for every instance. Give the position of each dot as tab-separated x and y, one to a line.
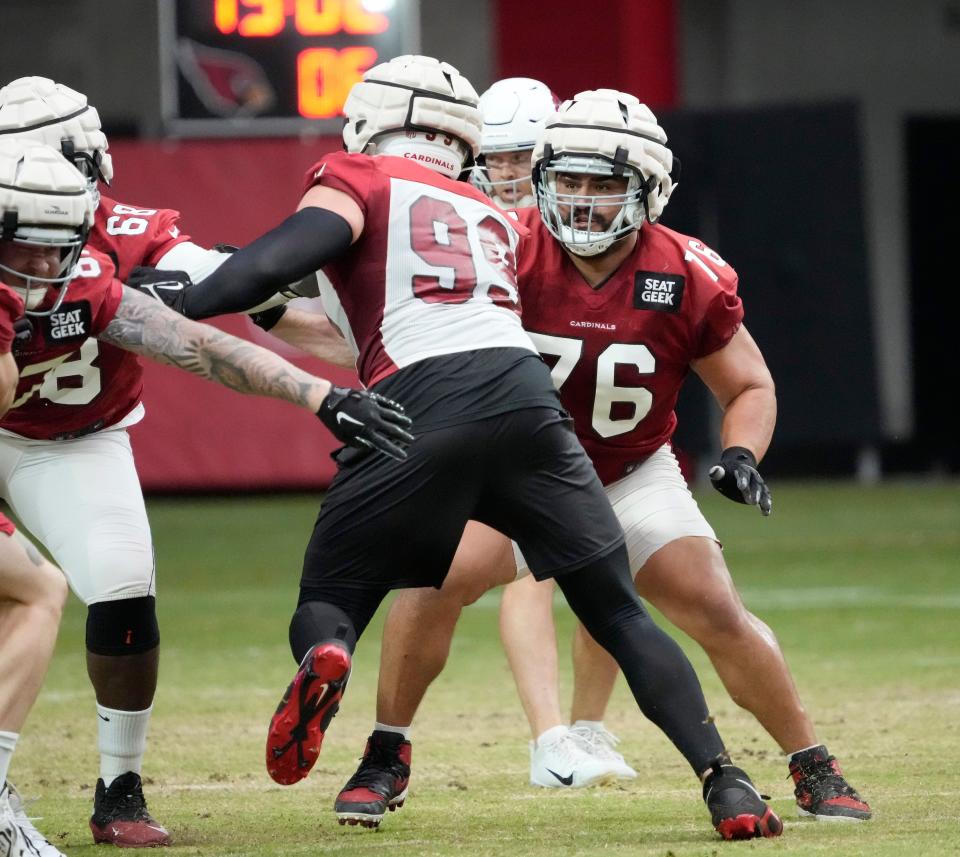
861	585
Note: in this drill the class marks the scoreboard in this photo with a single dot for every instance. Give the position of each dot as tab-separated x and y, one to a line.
261	67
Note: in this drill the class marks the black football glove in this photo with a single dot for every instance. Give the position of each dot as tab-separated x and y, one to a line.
22	334
737	477
164	286
363	419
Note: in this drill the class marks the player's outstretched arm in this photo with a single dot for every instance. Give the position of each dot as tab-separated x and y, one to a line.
302	244
357	418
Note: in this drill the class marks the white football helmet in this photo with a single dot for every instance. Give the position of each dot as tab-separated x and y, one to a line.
606	133
51	113
44	202
418	108
514	111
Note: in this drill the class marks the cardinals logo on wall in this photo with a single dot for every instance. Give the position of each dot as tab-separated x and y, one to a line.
227	83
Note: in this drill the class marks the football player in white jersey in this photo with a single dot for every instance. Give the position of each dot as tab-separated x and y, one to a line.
63	451
423	283
513	110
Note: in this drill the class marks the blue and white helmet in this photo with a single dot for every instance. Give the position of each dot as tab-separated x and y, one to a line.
39	109
605	133
44	202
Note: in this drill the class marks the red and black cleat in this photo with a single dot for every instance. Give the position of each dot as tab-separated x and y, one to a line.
737	809
120	815
304	714
380	783
822	791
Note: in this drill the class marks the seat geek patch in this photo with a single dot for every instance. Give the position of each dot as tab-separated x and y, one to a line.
657	291
69	322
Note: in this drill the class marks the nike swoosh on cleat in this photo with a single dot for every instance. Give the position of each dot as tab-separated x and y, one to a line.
567	780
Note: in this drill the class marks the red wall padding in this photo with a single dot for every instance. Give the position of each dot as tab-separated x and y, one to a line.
197	435
573	45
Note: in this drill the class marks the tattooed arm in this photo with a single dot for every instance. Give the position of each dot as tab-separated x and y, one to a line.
148	328
355	417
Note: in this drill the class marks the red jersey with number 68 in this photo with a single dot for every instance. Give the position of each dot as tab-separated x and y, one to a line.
433	272
620	352
132	235
71	384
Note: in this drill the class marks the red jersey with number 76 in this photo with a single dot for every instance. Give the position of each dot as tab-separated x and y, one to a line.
620	352
71	384
434	271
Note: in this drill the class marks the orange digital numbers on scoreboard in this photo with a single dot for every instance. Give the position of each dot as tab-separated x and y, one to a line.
324	77
261	18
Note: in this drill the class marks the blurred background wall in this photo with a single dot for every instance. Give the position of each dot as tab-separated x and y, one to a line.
819	144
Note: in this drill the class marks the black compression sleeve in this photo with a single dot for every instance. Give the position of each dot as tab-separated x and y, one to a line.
302	244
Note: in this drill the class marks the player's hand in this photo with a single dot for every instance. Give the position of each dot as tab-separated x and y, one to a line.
168	287
22	334
363	419
737	477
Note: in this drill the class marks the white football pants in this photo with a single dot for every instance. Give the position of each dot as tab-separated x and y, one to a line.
81	498
654	507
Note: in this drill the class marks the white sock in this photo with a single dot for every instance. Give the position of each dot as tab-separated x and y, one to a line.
595	725
8	743
122	741
802	750
397	730
551	735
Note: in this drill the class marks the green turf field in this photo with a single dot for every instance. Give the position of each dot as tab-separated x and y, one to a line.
861	585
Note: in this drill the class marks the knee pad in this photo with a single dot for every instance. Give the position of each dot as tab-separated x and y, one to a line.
125	627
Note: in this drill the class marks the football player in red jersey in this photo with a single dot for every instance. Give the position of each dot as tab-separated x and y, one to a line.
624	307
32	593
105	567
64	437
423	283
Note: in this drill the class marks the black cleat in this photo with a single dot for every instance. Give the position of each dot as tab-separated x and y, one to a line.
821	790
737	809
380	783
120	815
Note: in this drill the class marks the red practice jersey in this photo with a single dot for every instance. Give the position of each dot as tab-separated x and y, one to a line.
432	273
133	236
11	308
71	384
619	353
